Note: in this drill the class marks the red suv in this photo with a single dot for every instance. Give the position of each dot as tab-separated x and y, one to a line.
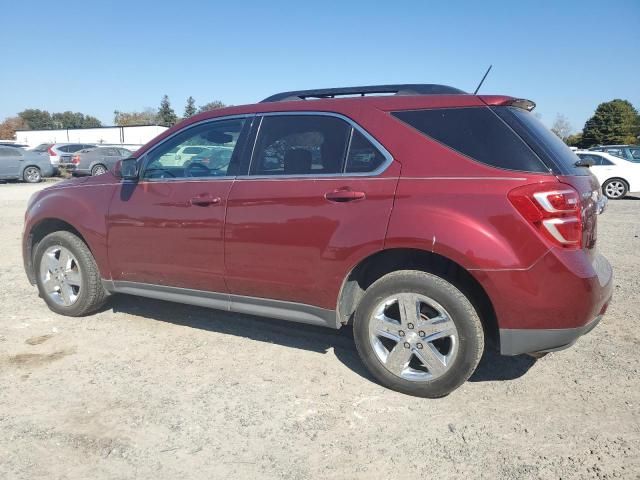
430	219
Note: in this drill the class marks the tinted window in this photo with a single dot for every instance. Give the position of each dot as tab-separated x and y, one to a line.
7	152
477	133
124	152
363	156
300	145
635	154
596	159
43	147
219	139
547	145
616	152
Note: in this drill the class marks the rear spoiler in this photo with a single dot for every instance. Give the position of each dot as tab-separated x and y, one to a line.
497	100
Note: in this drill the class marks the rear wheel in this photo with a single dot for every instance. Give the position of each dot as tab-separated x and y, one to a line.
32	175
98	170
615	188
67	276
418	334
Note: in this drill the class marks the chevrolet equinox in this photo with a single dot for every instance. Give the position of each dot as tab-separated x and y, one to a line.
431	220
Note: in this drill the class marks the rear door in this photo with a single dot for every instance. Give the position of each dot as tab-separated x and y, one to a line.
317	197
167	229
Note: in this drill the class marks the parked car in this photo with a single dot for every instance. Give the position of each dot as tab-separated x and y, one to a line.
20	164
630	153
430	220
95	161
61	153
617	176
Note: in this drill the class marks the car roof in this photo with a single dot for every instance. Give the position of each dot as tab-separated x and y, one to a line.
340	105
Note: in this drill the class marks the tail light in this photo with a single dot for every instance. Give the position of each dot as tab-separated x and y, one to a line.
52	152
553	209
75	159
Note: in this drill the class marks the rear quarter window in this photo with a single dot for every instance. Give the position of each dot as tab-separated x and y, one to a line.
477	133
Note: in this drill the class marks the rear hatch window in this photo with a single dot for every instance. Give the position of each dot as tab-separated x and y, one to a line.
547	145
478	133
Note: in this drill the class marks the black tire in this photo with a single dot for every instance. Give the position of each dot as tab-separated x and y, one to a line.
461	312
92	294
32	174
99	170
620	192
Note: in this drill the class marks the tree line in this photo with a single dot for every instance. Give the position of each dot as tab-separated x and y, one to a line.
614	123
36	119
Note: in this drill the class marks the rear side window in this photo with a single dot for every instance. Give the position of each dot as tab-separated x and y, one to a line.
476	132
363	156
300	145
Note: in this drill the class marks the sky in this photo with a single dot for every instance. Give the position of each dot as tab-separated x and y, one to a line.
97	57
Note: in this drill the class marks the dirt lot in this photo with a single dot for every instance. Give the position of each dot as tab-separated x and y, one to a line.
148	389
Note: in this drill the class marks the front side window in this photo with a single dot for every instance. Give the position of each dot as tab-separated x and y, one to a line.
300	145
206	150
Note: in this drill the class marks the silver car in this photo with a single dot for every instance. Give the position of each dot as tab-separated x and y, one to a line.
96	161
19	164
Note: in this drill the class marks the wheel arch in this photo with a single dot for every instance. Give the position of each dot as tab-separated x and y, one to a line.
380	263
40	230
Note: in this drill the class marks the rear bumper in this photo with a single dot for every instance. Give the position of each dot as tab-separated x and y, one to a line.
549	305
516	341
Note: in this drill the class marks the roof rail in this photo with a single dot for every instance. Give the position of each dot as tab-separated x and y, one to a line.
402	89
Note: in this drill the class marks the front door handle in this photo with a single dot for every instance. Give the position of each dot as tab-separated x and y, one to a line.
341	196
205	201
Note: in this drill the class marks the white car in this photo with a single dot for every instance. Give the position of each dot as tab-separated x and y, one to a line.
616	175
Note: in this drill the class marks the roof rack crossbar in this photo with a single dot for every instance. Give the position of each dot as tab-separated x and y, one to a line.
400	89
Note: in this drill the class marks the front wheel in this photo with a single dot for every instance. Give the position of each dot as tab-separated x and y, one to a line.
67	275
32	175
418	334
614	188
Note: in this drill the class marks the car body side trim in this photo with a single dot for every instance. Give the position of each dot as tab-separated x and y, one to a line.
264	307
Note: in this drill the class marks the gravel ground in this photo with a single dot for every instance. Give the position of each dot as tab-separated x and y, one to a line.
148	389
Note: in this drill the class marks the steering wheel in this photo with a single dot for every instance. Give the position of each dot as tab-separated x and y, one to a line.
196	169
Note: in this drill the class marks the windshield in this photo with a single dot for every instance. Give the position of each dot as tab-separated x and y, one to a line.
635	154
43	147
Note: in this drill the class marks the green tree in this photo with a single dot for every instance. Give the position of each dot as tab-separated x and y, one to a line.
74	120
166	115
614	122
574	140
215	105
190	109
146	117
36	119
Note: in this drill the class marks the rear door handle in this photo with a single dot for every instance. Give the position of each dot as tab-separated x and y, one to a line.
205	201
341	196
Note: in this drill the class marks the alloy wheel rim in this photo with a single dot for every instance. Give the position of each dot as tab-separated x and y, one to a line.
99	171
60	275
32	174
413	336
614	189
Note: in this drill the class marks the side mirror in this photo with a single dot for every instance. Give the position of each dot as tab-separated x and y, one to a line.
127	169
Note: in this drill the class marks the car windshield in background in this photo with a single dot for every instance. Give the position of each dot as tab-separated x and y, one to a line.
635	154
43	147
543	141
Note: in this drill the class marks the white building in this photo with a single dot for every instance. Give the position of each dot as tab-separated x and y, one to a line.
134	135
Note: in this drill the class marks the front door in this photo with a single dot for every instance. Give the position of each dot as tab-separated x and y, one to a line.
318	197
167	228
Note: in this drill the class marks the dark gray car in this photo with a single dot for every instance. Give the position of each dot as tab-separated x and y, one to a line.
96	161
19	164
